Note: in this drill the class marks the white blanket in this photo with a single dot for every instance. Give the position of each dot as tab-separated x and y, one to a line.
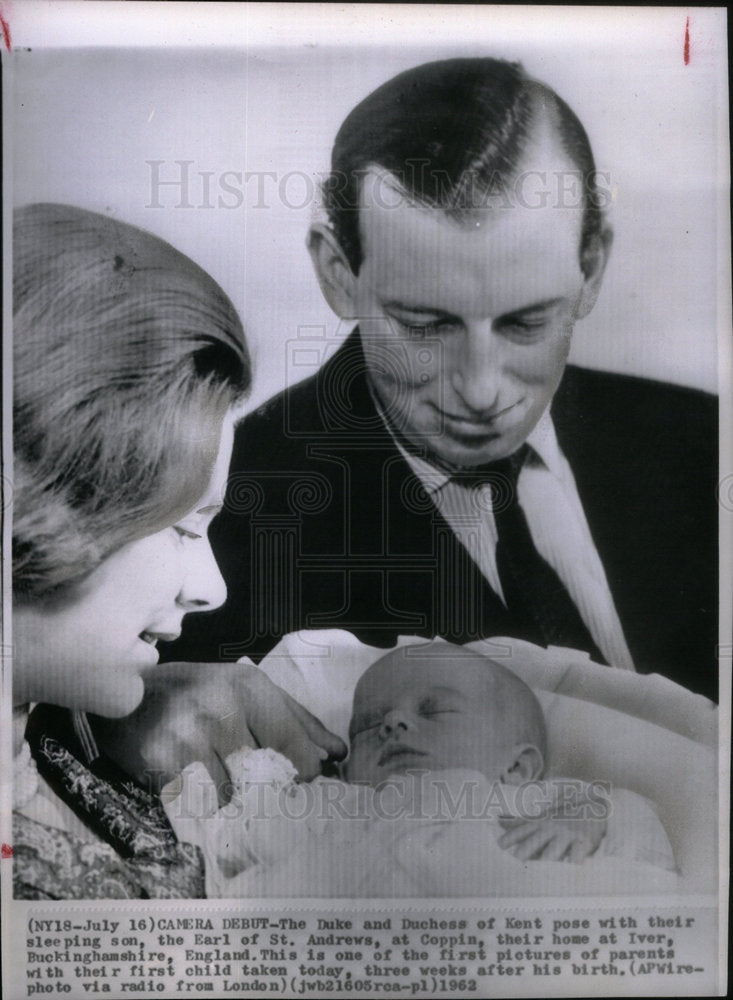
329	839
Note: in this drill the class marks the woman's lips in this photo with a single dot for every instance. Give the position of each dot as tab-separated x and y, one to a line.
149	640
153	637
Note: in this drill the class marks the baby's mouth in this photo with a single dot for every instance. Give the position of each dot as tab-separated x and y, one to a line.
398	753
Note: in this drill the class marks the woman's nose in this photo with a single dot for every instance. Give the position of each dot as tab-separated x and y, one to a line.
203	585
394	723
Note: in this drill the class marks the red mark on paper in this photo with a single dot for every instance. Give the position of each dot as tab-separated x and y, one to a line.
6	851
687	43
8	45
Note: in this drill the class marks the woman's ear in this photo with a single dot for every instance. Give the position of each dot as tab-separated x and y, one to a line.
528	765
337	280
593	260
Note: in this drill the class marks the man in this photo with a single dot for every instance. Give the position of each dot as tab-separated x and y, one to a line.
445	472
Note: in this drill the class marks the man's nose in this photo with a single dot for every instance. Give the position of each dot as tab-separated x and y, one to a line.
395	724
476	373
203	586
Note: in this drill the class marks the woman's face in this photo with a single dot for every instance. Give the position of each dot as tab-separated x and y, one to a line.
87	652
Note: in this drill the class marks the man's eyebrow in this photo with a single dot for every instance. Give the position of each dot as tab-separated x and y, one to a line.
442	314
535	307
417	310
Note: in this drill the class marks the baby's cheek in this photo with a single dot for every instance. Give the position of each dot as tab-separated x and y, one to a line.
359	766
350	766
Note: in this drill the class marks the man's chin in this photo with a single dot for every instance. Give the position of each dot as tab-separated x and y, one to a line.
460	456
453	452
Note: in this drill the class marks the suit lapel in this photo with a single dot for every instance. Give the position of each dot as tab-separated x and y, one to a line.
609	486
429	567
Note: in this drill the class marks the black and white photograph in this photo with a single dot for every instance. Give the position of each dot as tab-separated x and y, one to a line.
367	500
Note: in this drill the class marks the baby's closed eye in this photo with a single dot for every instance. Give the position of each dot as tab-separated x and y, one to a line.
432	707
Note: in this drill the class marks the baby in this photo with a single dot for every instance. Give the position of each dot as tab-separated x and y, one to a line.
443	708
440	737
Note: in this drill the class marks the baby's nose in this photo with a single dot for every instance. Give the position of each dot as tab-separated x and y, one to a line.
394	723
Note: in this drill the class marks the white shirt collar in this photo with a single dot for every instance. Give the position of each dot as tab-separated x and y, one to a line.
542	440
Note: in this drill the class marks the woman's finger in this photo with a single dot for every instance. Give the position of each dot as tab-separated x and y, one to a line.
276	720
334	746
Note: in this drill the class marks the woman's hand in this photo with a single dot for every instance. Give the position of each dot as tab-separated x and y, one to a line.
205	711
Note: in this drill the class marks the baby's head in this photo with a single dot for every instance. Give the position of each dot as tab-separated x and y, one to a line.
439	707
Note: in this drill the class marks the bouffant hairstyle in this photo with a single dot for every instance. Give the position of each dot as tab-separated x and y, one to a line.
453	133
126	357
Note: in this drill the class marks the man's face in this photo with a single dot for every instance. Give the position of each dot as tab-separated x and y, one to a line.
429	715
466	327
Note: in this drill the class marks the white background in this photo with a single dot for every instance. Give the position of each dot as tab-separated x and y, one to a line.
87	122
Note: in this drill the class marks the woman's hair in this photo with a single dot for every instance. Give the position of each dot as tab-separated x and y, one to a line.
127	356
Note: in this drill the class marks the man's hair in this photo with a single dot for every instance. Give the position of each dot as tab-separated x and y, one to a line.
127	356
451	132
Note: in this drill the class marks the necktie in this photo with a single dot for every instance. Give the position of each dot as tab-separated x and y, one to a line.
533	591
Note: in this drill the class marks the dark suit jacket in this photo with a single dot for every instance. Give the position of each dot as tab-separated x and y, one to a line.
325	525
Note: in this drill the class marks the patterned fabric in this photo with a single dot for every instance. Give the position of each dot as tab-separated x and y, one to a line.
137	855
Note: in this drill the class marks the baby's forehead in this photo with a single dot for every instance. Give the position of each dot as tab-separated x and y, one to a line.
395	676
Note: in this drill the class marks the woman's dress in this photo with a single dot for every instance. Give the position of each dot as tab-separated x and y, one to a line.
124	847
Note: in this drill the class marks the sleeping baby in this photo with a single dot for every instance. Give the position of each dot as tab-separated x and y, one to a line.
441	795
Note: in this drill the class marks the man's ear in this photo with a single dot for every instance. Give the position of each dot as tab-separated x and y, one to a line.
593	260
528	764
337	280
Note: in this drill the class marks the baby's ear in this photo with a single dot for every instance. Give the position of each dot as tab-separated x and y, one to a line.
528	764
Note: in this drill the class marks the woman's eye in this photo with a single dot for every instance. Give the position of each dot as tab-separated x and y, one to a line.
185	532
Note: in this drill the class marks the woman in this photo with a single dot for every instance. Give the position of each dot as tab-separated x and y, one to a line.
129	362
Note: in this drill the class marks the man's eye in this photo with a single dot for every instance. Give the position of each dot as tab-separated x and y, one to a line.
524	324
421	330
415	331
